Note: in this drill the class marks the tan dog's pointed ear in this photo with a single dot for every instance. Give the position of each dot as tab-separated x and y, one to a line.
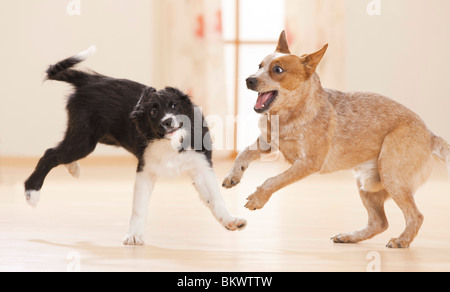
311	61
283	46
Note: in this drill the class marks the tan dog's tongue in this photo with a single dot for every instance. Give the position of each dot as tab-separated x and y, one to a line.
262	99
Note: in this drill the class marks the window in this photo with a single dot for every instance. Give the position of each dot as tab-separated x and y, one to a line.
250	29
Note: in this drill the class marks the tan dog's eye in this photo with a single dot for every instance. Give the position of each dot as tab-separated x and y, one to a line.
278	69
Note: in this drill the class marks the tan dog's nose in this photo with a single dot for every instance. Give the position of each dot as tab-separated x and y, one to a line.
252	83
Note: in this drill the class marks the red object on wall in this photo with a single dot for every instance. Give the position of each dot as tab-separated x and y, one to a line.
200	26
218	27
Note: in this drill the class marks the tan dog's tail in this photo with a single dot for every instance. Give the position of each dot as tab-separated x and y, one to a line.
442	150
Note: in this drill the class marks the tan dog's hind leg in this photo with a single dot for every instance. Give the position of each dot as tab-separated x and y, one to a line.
374	203
413	218
405	163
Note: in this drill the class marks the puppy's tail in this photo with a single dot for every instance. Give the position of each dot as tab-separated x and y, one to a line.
61	72
441	149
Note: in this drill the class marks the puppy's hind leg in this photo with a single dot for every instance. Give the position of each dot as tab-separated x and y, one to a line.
205	182
64	153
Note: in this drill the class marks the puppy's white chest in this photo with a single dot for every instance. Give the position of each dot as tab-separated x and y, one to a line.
162	159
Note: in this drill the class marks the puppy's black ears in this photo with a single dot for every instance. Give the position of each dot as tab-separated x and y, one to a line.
283	46
177	92
138	112
145	95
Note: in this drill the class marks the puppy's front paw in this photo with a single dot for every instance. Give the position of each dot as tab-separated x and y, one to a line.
133	239
232	179
258	200
236	224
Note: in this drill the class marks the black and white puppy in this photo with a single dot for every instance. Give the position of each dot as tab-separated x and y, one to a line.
163	129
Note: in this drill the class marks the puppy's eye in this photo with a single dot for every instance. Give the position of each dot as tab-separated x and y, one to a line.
153	112
278	69
173	105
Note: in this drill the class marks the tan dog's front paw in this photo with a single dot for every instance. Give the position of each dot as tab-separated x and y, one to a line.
257	200
342	238
231	180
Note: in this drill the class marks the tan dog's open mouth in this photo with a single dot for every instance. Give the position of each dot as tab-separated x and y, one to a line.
265	100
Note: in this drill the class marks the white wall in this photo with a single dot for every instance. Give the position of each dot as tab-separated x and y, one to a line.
403	54
35	34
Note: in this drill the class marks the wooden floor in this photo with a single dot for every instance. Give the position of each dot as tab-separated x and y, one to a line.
79	224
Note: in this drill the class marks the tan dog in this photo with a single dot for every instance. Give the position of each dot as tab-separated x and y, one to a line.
323	131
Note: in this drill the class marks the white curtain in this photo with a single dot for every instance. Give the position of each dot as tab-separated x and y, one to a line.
310	24
191	53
